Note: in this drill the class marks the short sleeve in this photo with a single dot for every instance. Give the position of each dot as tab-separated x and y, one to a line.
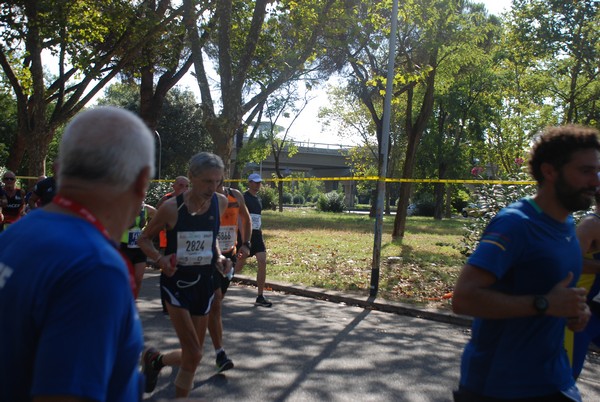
500	245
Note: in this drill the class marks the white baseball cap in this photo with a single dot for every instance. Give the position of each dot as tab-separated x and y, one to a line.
255	177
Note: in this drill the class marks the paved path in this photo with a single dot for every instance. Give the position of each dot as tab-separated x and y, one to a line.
305	349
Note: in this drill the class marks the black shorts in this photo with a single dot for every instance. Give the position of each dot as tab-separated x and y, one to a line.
190	288
135	255
219	281
257	244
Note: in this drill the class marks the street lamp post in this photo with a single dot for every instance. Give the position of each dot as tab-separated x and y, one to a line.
383	154
159	152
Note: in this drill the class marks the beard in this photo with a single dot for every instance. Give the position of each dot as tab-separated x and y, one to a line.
571	198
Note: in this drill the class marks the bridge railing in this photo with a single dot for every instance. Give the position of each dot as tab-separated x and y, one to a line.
320	145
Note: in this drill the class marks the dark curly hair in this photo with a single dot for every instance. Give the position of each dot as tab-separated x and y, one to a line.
556	145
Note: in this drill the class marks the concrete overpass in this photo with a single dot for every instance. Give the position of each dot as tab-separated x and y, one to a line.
314	160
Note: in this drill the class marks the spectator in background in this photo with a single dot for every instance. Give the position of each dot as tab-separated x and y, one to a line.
257	244
228	234
29	193
180	185
130	248
43	192
14	208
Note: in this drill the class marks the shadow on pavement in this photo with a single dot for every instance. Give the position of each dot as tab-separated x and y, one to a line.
303	349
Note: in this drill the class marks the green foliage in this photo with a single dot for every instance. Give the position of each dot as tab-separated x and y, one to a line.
298	200
309	189
425	204
560	40
286	198
331	202
254	151
180	126
156	191
491	199
8	124
364	164
268	197
460	200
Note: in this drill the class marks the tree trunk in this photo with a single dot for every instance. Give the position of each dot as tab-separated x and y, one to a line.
438	194
280	194
17	150
448	207
38	150
374	197
387	202
414	133
222	131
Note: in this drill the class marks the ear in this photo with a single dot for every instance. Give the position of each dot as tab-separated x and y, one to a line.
141	183
548	171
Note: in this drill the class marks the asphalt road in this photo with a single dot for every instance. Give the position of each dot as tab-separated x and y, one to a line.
307	349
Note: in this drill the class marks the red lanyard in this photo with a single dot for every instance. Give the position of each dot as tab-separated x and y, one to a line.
84	213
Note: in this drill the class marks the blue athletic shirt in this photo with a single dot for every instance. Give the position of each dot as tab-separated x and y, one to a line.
529	253
68	318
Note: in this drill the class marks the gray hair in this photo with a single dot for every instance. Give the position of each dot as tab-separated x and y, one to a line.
106	145
203	161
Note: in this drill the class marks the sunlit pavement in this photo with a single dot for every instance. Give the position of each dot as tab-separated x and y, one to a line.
307	349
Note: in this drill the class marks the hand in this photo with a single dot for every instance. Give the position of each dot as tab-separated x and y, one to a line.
577	324
244	252
567	302
223	265
168	264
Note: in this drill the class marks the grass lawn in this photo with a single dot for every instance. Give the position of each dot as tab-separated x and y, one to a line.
334	251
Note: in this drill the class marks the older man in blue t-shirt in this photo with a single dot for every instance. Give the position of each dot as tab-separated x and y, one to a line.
70	330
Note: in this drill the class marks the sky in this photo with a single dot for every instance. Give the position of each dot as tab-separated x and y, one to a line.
308	128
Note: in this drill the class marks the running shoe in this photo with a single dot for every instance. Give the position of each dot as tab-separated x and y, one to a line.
149	369
262	301
223	362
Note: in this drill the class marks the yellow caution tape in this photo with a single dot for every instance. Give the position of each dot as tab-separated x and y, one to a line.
360	178
389	180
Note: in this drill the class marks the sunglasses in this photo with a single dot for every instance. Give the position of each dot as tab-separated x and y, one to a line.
8	179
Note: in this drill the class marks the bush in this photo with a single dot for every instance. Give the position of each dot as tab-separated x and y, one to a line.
425	208
331	202
424	205
286	198
298	200
156	191
460	200
268	197
492	198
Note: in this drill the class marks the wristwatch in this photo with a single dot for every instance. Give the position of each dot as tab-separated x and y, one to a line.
540	304
247	244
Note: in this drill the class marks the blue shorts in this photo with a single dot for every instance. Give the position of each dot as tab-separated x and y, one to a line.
190	288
